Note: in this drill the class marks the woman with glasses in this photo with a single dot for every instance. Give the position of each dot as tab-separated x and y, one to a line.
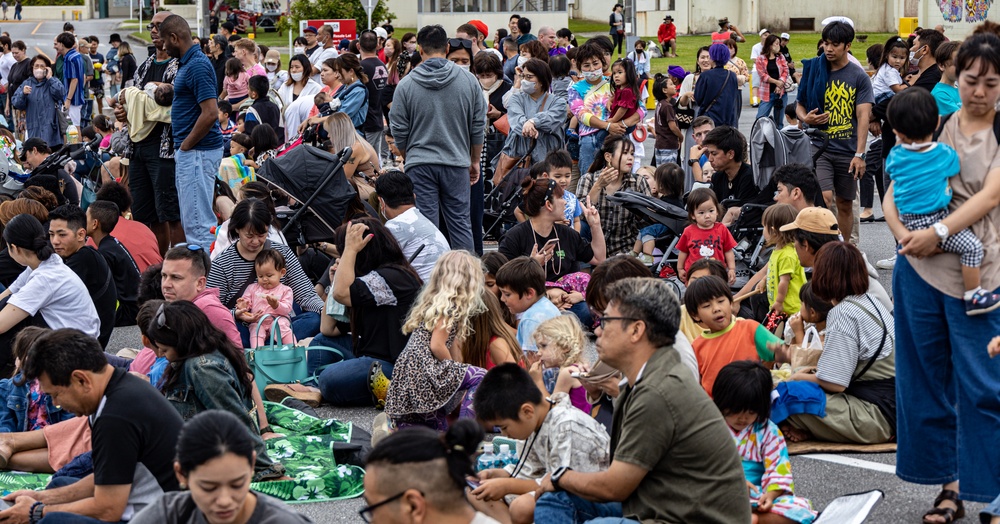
215	458
233	269
418	469
207	371
537	118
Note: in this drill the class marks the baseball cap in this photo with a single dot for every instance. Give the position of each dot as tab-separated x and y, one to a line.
814	220
273	57
381	33
762	31
481	27
310	29
785	36
29	144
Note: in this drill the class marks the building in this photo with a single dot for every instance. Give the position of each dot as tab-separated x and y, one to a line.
494	13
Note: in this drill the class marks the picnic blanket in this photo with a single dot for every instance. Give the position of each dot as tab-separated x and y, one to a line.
814	446
306	451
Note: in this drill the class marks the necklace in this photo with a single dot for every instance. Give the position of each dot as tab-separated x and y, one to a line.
558	253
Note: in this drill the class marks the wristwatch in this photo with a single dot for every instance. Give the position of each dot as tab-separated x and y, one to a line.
558	475
941	230
859	155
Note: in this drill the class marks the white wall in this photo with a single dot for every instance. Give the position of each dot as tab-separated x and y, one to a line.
930	15
405	11
57	12
868	15
451	21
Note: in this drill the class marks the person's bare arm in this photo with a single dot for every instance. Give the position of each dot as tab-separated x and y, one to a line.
615	484
10	316
208	117
617	117
71	90
675	129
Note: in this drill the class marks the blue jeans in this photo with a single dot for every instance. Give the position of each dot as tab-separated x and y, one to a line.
345	383
589	146
305	324
582	312
195	180
71	518
561	507
776	106
445	190
316	359
946	389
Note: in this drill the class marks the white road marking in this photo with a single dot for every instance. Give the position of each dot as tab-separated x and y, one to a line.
857	463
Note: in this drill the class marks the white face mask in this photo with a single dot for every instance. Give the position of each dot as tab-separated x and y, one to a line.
40	74
487	84
592	75
272	67
411	48
296	76
521	61
151	90
528	87
463	67
298	50
913	59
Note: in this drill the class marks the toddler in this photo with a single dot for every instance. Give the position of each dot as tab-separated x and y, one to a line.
240	144
429	380
560	169
945	92
268	296
807	328
560	342
919	169
624	92
668	133
889	79
785	275
667	184
791	118
726	339
235	85
227	126
26	407
743	395
706	237
145	108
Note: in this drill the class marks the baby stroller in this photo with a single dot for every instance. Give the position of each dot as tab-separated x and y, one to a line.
311	183
652	210
503	198
771	148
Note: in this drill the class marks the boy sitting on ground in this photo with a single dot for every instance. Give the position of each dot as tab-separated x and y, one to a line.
555	433
522	289
709	301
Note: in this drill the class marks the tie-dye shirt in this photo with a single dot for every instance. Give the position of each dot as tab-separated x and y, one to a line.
586	101
766	465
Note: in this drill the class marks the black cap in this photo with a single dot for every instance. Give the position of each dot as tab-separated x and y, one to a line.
115	37
668	18
32	143
229	26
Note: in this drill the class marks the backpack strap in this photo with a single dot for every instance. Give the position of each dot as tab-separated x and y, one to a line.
945	118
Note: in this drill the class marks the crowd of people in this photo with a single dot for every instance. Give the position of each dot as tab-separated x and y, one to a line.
636	394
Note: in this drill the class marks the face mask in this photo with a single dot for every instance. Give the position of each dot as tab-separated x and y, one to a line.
411	48
521	60
272	67
463	67
486	84
299	50
528	87
592	75
40	74
914	60
296	77
151	90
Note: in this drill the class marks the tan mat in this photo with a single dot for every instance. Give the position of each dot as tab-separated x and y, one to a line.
812	446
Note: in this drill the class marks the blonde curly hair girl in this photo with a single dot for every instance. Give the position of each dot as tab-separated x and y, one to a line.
452	296
565	336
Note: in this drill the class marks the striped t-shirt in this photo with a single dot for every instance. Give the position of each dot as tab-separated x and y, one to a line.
853	334
230	271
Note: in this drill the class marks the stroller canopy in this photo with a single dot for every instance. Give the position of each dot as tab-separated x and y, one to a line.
301	173
771	148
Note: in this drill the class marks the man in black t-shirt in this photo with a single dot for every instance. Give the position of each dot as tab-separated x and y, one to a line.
68	234
102	217
133	434
733	178
378	76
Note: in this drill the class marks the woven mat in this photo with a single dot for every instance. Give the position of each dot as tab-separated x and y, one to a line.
812	446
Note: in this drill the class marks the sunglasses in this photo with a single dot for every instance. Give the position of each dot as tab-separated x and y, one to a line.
456	43
152	26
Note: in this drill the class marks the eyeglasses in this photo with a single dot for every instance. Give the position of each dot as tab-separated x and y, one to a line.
603	321
366	512
456	43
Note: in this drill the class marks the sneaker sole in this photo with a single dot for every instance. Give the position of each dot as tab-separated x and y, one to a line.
976	312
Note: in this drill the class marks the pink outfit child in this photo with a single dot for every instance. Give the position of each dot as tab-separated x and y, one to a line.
254	295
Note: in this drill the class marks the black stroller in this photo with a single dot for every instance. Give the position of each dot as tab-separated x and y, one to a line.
310	184
652	210
503	198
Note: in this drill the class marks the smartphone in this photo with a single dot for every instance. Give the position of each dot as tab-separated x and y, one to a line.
473	484
551	243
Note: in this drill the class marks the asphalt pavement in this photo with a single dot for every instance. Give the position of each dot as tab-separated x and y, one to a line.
819	478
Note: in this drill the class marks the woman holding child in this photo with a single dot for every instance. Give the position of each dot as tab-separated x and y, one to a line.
948	403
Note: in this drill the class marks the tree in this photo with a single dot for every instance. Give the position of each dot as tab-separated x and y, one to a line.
338	9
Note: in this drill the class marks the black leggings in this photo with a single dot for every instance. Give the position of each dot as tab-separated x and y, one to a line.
874	176
618	40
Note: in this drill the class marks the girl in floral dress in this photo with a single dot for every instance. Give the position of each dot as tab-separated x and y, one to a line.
742	392
429	380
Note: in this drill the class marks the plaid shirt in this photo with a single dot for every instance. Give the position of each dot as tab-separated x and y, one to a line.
139	80
620	227
764	91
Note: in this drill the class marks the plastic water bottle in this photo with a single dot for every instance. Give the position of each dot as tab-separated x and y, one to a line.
487	460
72	134
505	458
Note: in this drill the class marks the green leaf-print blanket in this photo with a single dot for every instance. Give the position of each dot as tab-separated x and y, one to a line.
306	451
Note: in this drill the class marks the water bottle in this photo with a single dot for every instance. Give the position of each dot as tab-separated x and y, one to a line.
487	460
506	456
72	134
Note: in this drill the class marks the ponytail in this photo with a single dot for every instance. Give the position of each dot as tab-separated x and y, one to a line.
419	444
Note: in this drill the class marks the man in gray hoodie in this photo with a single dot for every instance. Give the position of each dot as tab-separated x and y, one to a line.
438	120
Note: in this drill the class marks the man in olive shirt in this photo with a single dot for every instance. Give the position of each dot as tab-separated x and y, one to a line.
673	458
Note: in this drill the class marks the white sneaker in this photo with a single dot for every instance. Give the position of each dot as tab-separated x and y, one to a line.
888	263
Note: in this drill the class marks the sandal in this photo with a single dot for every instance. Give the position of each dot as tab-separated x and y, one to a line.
949	514
378	385
278	392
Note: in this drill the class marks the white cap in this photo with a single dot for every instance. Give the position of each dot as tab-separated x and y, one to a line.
381	32
832	19
762	31
784	36
504	448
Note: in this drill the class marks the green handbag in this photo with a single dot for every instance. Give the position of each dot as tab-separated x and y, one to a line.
278	363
